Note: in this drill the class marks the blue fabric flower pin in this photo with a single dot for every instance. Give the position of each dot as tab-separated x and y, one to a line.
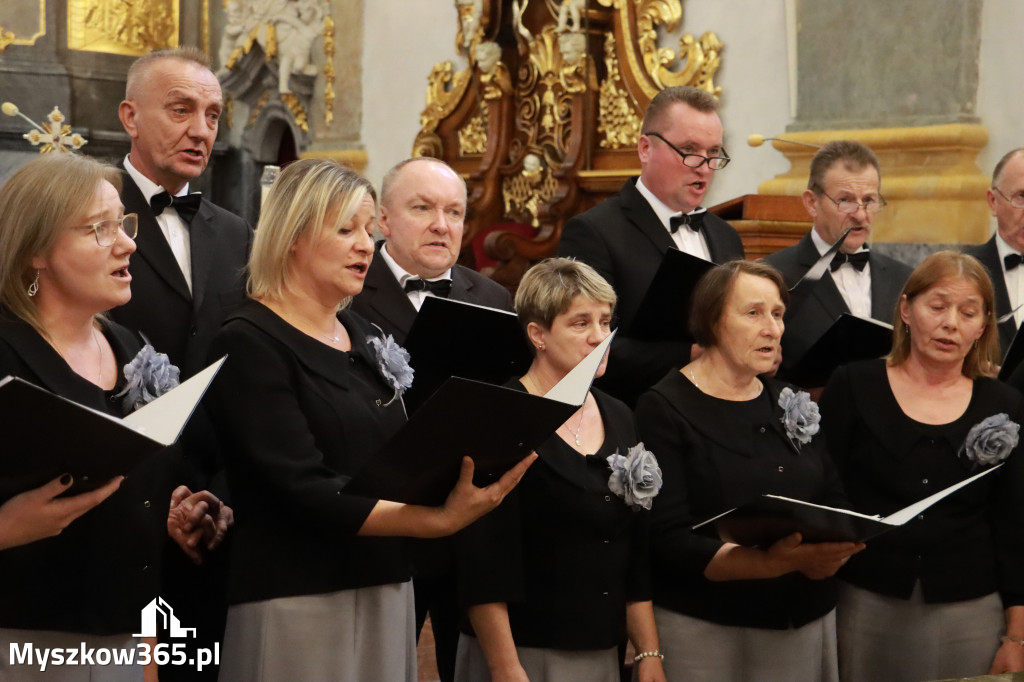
990	441
636	478
393	364
149	375
800	415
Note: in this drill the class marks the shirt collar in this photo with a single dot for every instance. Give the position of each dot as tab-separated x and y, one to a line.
660	209
1003	249
145	185
403	275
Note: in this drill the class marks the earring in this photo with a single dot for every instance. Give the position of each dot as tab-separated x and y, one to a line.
540	347
907	327
33	288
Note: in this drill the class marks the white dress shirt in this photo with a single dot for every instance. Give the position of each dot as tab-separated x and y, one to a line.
693	243
854	285
400	273
174	228
1014	279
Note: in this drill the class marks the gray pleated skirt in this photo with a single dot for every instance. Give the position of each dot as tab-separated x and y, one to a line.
908	640
351	635
541	665
10	671
701	651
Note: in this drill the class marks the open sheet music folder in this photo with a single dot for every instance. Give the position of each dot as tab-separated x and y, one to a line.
453	338
495	425
770	518
1014	355
850	338
664	312
47	436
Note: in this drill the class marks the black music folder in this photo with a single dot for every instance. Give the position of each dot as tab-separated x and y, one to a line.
453	338
495	425
1014	356
47	436
770	518
850	338
664	312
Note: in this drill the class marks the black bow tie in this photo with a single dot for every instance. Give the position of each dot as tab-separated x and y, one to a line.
857	260
438	287
186	206
1012	260
694	221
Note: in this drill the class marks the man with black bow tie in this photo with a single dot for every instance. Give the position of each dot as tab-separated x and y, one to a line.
625	237
1001	254
842	192
187	271
422	209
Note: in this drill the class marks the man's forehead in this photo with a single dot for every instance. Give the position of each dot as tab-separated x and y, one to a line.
844	175
181	79
426	181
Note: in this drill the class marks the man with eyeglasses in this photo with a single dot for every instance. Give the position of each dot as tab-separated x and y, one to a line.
842	193
1001	254
625	237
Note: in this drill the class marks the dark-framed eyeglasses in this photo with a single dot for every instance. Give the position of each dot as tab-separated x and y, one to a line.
1017	201
696	160
106	230
872	206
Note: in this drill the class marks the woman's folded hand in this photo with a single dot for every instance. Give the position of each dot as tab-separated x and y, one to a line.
815	560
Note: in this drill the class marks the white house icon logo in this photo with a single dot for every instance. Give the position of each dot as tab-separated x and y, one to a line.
159	609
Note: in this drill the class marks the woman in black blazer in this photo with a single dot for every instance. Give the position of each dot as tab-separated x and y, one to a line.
725	436
306	397
942	596
556	577
64	250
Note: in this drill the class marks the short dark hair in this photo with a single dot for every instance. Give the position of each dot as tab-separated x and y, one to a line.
701	100
851	153
713	291
1002	164
186	53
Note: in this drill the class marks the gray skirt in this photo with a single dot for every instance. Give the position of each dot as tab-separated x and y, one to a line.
102	670
908	640
350	635
541	665
697	650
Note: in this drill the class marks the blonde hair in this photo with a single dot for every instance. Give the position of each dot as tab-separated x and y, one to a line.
42	198
548	289
299	202
983	357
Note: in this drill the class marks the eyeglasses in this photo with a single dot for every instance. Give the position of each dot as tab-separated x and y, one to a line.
106	230
696	160
1017	201
872	206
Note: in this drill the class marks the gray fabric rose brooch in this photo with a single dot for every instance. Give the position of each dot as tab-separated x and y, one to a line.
149	375
800	415
636	478
393	364
989	442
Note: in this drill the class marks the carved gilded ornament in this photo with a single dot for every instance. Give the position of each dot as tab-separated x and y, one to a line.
14	20
125	28
298	112
328	70
53	136
473	135
445	88
6	38
262	102
526	191
617	120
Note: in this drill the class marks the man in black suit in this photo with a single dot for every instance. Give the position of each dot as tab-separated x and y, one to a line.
422	209
843	192
1001	254
187	269
625	237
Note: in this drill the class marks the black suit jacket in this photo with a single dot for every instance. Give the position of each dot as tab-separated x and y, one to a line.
716	455
988	254
625	242
177	322
384	303
296	418
814	306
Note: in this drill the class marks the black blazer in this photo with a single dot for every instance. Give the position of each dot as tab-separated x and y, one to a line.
180	323
815	306
383	302
296	418
98	574
562	550
625	242
966	546
988	254
714	458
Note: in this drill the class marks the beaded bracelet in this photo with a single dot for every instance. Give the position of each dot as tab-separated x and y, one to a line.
648	654
1008	638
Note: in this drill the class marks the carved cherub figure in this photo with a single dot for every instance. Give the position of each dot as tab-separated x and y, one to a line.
570	9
